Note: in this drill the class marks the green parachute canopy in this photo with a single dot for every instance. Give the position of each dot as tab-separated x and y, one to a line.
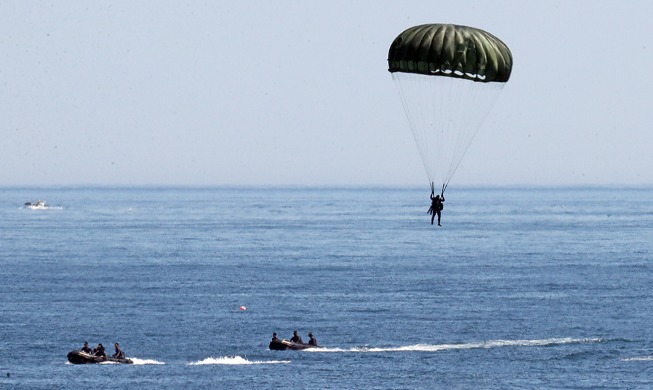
451	50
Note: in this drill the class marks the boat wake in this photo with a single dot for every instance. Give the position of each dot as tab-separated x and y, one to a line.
460	346
143	362
136	362
234	361
42	207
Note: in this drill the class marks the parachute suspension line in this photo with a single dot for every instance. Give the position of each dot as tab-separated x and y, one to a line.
444	115
478	99
455	131
444	97
412	93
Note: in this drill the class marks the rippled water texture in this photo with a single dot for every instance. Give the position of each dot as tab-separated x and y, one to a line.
526	288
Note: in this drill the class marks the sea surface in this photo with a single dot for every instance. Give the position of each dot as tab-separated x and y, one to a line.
525	288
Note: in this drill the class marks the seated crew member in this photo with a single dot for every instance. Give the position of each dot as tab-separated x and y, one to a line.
99	350
119	354
313	340
274	337
86	348
296	338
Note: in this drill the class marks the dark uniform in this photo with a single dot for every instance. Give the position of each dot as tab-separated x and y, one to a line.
86	348
313	340
296	338
119	354
99	350
436	207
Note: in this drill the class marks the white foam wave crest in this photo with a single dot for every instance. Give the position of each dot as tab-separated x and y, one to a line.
478	345
137	362
638	359
143	362
235	361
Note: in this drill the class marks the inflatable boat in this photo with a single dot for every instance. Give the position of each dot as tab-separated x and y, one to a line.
282	345
79	357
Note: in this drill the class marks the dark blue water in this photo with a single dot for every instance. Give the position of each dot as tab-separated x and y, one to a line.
520	288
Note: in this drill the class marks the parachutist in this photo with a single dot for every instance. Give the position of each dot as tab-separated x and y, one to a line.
436	205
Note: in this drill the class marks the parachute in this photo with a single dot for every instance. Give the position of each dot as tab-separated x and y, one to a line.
448	77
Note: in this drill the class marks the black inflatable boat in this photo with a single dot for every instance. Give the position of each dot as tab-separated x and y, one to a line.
79	357
282	345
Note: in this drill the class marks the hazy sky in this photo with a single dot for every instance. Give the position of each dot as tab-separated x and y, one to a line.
298	92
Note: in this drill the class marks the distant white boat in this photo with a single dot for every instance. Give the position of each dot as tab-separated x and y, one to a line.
38	205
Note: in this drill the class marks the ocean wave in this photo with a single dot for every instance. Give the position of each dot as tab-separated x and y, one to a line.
234	361
459	346
42	208
638	359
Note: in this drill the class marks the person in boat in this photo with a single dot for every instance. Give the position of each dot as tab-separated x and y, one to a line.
99	350
436	206
312	340
119	354
274	337
86	348
296	338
